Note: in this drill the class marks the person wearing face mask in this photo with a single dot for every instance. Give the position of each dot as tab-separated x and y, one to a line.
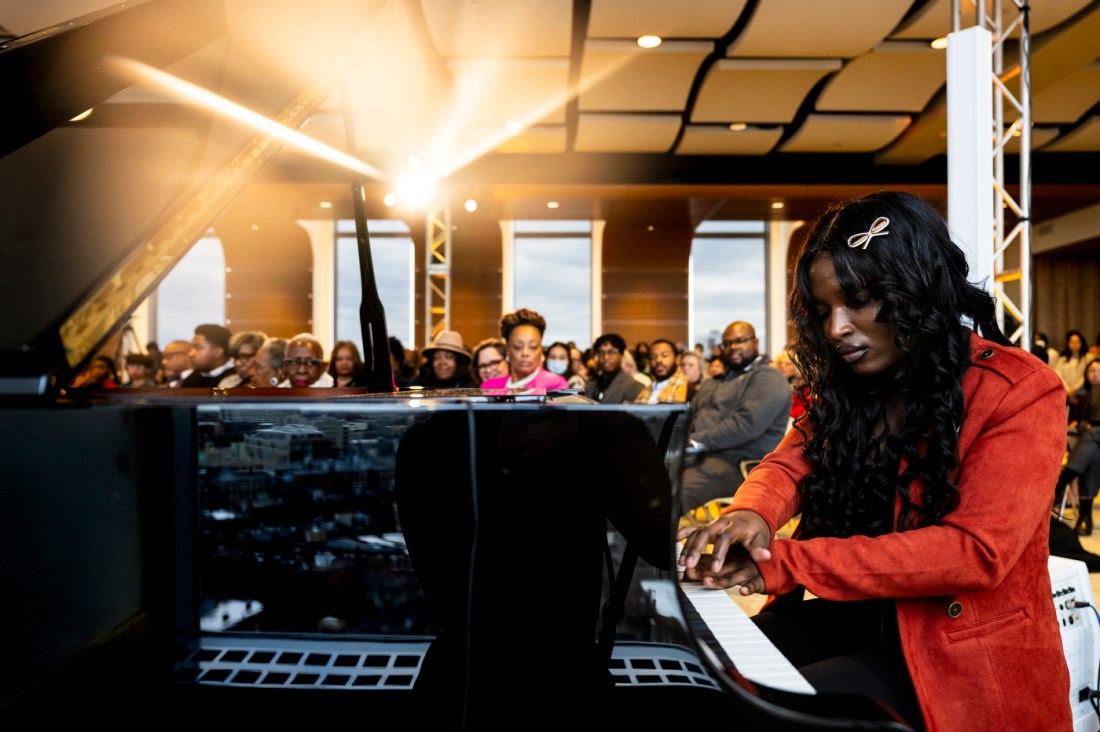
559	361
522	331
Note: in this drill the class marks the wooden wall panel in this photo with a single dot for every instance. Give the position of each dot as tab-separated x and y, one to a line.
476	298
1066	296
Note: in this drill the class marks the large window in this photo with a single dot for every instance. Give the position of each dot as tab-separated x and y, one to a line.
192	293
552	273
728	279
392	254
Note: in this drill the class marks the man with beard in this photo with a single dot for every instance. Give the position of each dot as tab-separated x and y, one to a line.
740	415
669	383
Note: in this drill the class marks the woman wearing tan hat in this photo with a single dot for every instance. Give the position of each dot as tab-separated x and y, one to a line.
447	363
522	331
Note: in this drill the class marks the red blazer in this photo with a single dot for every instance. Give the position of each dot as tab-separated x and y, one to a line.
977	623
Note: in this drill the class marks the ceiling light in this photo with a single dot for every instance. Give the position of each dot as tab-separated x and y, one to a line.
739	126
939	44
255	227
390	199
649	228
83	115
326	204
414	161
551	204
778	205
649	41
415	191
470	205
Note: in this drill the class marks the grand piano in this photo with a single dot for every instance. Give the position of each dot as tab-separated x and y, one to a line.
465	558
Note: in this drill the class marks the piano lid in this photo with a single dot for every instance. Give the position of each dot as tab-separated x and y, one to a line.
94	213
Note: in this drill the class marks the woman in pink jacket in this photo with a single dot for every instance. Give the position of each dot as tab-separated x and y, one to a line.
923	471
522	332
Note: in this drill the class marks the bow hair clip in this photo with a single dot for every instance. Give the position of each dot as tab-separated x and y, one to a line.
862	239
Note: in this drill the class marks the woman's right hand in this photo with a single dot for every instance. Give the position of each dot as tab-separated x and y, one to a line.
738	541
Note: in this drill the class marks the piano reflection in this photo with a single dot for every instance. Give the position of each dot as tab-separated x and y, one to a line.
270	556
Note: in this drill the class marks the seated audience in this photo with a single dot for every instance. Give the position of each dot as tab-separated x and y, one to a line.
176	362
1084	410
243	347
267	367
630	366
447	363
403	374
716	367
641	357
695	372
1071	361
139	370
559	360
1082	465
578	367
1040	348
669	383
305	362
490	360
347	368
522	331
99	374
612	384
210	359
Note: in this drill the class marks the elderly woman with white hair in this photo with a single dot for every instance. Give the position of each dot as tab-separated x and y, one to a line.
305	362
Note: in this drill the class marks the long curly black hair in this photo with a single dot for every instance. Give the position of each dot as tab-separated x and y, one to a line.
859	429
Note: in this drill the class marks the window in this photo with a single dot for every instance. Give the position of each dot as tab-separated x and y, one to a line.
728	279
392	253
552	273
192	293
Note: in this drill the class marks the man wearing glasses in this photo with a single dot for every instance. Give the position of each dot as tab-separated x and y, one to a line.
305	362
740	415
612	385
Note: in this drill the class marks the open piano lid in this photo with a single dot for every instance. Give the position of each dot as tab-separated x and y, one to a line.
95	213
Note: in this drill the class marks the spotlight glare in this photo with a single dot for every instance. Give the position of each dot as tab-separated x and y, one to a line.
470	205
390	200
415	191
778	205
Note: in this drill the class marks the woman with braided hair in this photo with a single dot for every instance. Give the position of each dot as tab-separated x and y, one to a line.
922	473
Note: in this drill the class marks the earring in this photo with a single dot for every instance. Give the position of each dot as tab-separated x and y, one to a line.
274	380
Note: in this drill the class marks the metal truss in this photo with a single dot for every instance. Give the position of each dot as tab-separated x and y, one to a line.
437	270
1011	215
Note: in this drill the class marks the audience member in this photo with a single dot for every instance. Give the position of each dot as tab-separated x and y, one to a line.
641	355
612	385
1083	465
267	367
139	370
346	367
210	359
490	360
243	347
153	350
630	366
716	367
100	373
176	362
740	415
558	359
403	374
691	363
1041	349
1071	361
447	363
801	392
1084	410
669	383
522	331
577	368
305	362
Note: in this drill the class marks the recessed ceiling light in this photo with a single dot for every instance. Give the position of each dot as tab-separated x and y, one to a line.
739	126
939	44
551	204
649	41
326	204
390	200
649	228
778	205
470	205
255	227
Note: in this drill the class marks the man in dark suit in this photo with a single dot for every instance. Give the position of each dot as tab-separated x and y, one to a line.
210	358
612	385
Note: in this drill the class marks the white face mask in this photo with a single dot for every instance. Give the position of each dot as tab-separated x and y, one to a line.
557	366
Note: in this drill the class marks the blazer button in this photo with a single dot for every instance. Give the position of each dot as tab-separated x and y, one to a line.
986	354
955	609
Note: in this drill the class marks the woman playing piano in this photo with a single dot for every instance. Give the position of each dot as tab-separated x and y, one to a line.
922	472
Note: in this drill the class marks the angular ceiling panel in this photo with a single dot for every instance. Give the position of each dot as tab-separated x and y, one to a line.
716	140
934	19
1067	99
679	19
853	133
651	133
536	140
621	76
1040	136
483	28
817	28
895	77
1086	138
510	90
758	90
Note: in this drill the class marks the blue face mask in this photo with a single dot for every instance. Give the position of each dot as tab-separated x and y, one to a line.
557	366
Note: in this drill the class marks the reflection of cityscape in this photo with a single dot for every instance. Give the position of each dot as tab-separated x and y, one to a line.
296	513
